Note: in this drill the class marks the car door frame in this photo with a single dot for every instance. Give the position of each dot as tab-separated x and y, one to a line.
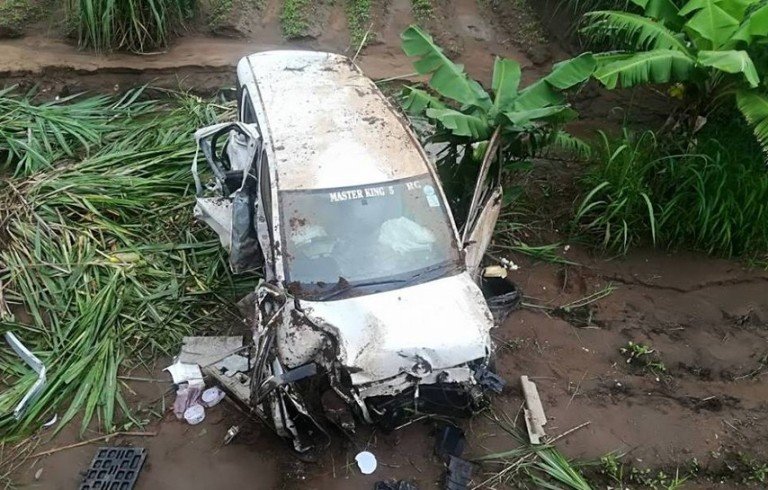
484	209
267	220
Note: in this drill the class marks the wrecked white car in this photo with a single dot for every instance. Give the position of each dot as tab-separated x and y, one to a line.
369	308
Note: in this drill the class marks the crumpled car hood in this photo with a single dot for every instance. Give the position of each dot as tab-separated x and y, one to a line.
437	324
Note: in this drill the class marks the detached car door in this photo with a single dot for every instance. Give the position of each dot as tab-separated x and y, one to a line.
228	203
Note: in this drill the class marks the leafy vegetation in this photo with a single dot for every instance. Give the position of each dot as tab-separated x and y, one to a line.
422	10
359	21
465	113
624	475
294	19
467	118
15	14
222	13
617	210
133	25
708	46
713	199
543	466
101	253
643	356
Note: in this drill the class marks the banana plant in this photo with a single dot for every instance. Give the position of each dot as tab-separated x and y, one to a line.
709	48
464	112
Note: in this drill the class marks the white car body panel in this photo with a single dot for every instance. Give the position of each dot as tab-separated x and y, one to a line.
315	122
444	322
345	134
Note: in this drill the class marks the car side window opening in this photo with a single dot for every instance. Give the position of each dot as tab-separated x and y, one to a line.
247	114
391	232
239	147
265	191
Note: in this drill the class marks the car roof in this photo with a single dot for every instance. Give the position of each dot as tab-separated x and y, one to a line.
329	125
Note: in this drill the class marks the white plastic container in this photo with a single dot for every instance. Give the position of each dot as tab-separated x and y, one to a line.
211	397
366	461
194	414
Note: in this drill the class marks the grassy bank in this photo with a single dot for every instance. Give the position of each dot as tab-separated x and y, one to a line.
704	194
102	262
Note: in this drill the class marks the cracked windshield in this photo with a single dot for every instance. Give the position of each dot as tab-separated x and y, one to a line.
373	235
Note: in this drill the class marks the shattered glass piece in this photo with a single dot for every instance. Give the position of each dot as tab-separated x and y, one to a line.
459	474
205	351
490	380
395	485
450	441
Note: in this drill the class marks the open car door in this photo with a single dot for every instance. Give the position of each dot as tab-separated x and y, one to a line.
228	203
484	211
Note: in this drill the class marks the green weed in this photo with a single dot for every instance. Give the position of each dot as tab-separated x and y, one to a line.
15	14
543	465
713	197
644	357
359	21
625	475
223	10
422	10
617	210
101	252
294	18
134	25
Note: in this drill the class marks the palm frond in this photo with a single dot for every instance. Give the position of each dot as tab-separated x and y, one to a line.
754	106
657	66
626	30
446	77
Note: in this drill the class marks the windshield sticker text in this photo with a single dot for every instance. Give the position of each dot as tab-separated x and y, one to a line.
364	193
432	198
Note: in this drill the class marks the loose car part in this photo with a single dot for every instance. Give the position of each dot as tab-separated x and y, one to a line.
36	365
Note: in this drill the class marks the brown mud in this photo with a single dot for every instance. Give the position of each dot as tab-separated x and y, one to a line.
706	318
203	63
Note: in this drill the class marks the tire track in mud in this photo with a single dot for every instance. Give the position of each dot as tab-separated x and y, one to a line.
678	289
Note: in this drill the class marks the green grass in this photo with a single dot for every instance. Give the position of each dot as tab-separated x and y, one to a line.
102	254
617	210
711	197
583	6
625	475
294	19
543	466
15	14
222	11
422	10
359	21
133	25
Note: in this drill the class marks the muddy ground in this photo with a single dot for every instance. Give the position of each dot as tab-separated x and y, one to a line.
706	318
473	31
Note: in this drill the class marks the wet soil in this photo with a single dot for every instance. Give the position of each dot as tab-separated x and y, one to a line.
204	63
707	320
